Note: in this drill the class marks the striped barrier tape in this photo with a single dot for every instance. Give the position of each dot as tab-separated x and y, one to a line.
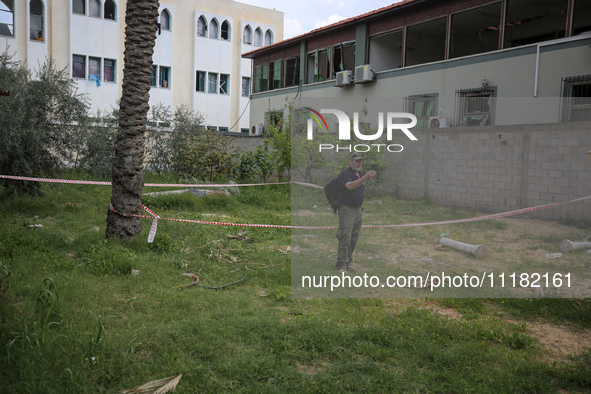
78	182
474	219
155	217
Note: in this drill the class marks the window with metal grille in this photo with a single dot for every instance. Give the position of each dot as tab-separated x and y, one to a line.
36	20
475	107
200	81
109	70
78	66
224	84
421	106
576	99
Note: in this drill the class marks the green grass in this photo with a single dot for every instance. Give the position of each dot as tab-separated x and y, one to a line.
76	320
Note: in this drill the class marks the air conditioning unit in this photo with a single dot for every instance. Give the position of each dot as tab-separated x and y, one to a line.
364	74
257	129
437	122
344	78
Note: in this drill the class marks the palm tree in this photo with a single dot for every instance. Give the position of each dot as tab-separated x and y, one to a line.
127	175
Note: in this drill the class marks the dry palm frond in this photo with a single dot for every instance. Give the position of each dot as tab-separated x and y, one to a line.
159	386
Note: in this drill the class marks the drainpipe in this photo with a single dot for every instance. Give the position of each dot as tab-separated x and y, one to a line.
553	42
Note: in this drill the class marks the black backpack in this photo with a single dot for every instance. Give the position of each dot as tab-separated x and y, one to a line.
331	190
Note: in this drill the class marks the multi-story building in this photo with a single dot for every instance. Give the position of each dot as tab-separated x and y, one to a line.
197	57
501	90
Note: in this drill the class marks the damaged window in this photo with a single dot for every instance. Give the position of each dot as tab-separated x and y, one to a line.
318	66
292	71
225	30
576	98
385	51
475	31
201	27
582	17
528	22
421	106
275	75
425	42
475	107
343	58
261	75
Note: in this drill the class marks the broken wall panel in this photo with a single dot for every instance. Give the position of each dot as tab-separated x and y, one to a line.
425	42
385	51
475	31
528	22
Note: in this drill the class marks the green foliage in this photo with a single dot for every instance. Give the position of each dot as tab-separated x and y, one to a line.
208	154
41	120
257	164
108	257
97	146
278	133
163	148
4	283
305	155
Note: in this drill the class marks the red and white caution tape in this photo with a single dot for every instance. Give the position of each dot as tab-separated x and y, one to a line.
78	182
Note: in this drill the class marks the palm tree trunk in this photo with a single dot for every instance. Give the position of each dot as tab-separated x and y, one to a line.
127	175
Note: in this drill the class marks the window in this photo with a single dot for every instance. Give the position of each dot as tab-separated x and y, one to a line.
576	98
343	58
165	20
245	87
79	7
475	107
213	28
318	66
94	8
200	81
36	20
268	37
109	70
225	31
94	66
292	72
258	37
213	82
582	17
7	18
425	42
224	84
201	27
261	78
529	21
164	76
154	75
223	129
247	35
244	131
275	75
421	106
475	31
273	118
109	10
78	66
385	51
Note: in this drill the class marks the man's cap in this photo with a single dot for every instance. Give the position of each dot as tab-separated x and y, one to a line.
356	156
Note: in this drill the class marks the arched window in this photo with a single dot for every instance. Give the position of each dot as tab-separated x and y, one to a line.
36	20
268	37
225	31
7	18
165	20
109	10
201	27
247	35
213	28
258	37
79	7
94	8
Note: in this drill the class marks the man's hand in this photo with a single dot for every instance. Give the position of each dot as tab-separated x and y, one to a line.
370	174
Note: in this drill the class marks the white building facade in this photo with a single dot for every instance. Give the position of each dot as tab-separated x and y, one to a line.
197	57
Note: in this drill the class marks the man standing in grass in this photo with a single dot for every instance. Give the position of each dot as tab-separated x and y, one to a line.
352	189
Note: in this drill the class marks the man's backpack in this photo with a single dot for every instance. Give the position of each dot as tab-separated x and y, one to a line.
331	190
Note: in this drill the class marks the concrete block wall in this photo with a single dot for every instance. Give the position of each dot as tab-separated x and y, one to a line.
499	168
